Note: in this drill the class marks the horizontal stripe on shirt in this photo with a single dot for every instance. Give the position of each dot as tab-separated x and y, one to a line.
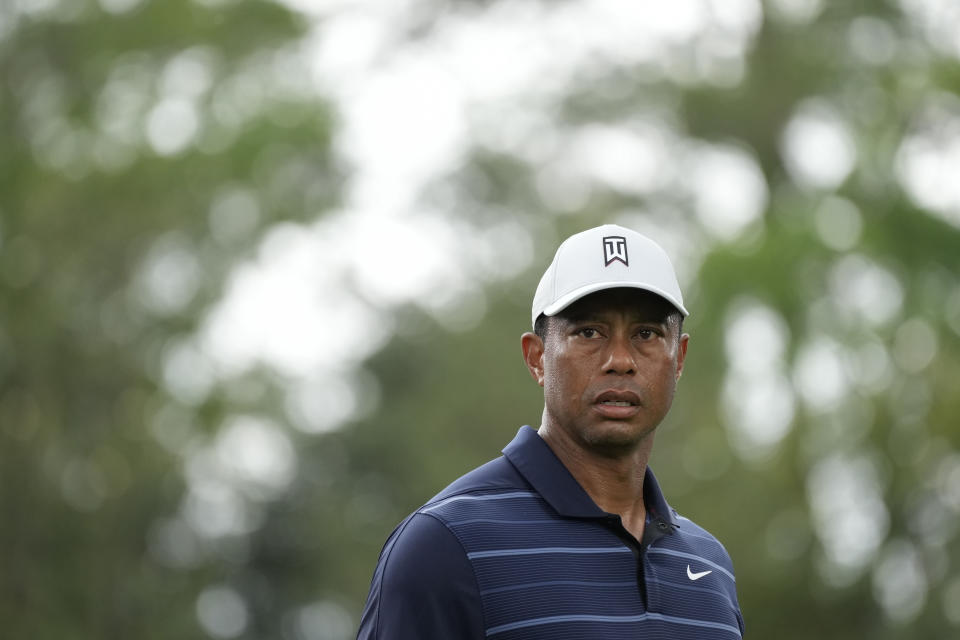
521	624
493	553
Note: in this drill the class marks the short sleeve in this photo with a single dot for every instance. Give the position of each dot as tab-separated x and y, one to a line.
423	587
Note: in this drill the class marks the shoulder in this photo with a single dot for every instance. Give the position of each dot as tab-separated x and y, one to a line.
423	586
484	492
700	537
427	530
431	532
424	583
416	539
496	475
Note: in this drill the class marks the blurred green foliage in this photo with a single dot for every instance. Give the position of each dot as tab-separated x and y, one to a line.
95	447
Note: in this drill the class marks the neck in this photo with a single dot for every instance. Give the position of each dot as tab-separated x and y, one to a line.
613	478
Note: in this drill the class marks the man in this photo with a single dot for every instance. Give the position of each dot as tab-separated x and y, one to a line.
567	535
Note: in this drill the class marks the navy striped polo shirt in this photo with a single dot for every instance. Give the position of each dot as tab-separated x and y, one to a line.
516	549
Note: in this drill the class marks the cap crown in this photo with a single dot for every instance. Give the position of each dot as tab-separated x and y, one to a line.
605	257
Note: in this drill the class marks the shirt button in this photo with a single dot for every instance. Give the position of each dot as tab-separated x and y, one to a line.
662	525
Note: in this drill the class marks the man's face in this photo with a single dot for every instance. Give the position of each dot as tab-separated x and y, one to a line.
608	367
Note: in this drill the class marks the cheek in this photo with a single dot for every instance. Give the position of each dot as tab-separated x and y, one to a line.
552	381
560	379
665	378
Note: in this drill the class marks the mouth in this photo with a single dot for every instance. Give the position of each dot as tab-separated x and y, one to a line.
617	404
618	398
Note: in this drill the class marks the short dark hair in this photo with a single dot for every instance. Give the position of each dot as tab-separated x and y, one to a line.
541	326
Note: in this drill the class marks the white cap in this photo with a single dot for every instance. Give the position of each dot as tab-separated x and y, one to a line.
605	257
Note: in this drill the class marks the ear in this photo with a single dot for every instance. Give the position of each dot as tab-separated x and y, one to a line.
682	353
532	347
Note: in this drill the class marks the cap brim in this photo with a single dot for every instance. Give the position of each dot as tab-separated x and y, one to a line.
566	300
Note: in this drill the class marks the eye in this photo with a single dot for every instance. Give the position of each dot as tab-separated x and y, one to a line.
588	332
647	334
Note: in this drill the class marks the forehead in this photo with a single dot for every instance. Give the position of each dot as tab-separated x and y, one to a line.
637	304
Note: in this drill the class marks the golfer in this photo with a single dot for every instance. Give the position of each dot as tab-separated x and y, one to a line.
567	535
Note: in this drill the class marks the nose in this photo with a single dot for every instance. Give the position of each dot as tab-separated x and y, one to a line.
620	358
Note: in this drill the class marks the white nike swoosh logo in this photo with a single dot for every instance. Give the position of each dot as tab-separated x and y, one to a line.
696	576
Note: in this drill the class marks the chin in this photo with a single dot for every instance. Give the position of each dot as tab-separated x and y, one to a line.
615	439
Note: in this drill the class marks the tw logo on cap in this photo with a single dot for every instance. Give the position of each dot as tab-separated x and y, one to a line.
615	250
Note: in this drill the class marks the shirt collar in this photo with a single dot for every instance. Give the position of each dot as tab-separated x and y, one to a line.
537	463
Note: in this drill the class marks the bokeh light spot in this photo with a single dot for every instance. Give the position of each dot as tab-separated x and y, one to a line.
849	513
222	612
817	146
172	125
900	582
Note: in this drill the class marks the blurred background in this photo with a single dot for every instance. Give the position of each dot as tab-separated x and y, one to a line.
264	267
